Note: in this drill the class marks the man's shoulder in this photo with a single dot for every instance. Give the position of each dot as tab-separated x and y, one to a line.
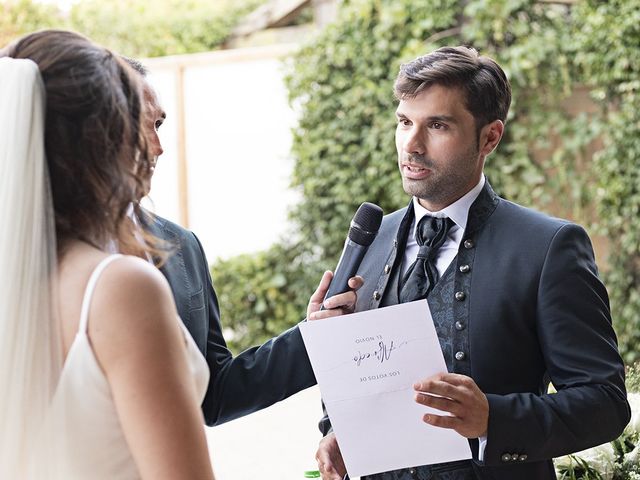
181	241
527	220
164	228
530	214
180	238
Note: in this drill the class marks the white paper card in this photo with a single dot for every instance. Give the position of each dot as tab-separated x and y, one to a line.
366	364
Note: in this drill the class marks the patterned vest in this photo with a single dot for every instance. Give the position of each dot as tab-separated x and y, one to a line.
449	318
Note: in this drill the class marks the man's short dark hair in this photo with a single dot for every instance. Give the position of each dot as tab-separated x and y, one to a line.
484	83
136	65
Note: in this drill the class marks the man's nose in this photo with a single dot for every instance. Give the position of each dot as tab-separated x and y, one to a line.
414	143
156	145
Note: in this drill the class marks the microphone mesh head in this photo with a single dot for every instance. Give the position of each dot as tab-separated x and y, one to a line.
365	224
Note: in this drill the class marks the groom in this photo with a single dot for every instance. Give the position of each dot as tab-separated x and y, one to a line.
514	294
259	376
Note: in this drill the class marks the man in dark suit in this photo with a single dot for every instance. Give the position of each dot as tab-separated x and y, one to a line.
514	294
250	381
259	376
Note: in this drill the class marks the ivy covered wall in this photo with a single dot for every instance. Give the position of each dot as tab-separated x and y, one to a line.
581	165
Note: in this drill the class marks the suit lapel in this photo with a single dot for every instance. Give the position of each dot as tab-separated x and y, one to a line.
481	209
392	292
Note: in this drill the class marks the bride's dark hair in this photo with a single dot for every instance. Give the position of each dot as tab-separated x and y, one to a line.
94	143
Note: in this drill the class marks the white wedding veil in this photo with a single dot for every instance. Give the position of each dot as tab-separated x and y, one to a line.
30	340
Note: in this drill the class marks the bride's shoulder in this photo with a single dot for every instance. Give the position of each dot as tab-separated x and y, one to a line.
130	279
132	302
127	269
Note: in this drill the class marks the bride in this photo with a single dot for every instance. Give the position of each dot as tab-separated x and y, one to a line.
98	378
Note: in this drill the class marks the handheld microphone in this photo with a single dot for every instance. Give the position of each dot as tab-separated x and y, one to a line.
363	230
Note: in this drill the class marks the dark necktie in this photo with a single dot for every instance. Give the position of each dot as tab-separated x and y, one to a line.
423	274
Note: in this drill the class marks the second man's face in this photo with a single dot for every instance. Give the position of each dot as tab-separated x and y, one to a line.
437	146
153	118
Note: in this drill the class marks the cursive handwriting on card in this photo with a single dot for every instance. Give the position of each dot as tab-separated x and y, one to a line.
381	353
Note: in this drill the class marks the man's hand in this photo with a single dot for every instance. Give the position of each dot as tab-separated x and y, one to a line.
336	305
458	395
329	459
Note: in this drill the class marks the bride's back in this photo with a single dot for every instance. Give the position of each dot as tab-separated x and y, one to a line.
94	444
74	270
119	328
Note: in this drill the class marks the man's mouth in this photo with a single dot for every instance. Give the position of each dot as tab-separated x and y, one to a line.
414	172
414	168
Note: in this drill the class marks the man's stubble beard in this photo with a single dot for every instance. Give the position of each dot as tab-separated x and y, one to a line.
443	187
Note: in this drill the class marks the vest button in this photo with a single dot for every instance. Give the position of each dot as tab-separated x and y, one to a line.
376	295
465	268
460	356
387	269
459	326
460	296
468	244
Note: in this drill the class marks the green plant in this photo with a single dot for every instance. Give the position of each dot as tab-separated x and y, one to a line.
136	28
344	143
18	17
259	294
342	83
609	58
580	165
578	469
140	28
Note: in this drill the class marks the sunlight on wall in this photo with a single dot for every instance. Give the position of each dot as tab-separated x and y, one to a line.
238	137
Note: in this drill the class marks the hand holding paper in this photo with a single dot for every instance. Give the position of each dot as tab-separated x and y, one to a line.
366	365
458	395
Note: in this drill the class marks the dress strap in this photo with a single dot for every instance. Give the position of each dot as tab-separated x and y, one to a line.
88	293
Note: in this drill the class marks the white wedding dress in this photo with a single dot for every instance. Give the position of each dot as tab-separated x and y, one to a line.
94	446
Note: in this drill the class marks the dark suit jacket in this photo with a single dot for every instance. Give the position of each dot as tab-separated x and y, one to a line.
250	381
534	311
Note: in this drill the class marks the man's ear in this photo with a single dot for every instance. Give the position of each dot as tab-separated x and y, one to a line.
490	136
